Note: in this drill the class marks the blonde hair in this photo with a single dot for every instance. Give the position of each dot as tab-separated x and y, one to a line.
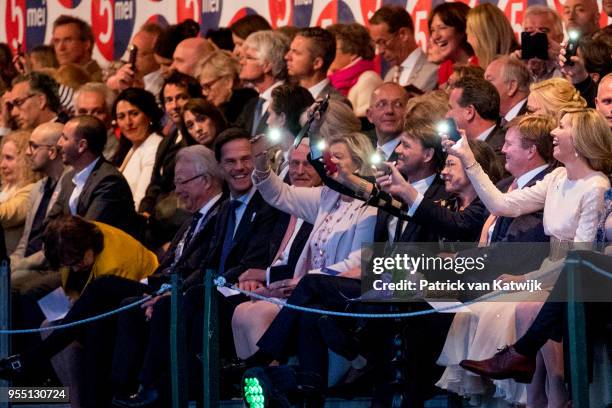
592	137
541	10
360	148
339	119
219	63
25	174
494	32
555	94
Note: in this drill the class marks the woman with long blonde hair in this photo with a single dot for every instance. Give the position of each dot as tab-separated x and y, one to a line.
550	96
17	180
490	34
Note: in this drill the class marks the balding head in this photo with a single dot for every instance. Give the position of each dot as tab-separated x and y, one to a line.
581	15
188	52
604	98
386	111
42	147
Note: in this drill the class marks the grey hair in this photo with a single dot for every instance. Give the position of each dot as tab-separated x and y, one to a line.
539	9
100	88
515	70
271	47
202	158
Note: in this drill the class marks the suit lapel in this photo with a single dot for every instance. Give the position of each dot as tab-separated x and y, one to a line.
431	193
416	69
88	187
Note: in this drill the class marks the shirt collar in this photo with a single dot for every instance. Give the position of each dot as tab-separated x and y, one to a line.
267	94
206	208
315	90
483	136
411	59
525	178
246	198
422	185
388	147
81	177
512	113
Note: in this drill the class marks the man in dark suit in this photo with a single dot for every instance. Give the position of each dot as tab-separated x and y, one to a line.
143	333
386	113
262	65
310	55
290	233
94	189
511	78
474	105
528	150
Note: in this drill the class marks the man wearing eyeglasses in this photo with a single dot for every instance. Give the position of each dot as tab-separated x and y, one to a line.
73	43
27	260
392	31
32	101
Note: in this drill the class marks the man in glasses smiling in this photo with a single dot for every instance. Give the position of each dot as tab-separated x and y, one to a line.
33	100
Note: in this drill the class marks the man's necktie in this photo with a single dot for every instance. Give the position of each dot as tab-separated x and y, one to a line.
286	238
397	74
257	115
228	237
195	219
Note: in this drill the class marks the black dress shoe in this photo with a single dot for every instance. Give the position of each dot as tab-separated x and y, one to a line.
144	398
12	367
507	363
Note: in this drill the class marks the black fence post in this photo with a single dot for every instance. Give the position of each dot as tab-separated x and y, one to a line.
177	345
577	336
210	359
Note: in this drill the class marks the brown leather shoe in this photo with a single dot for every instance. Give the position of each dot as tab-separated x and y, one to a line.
507	363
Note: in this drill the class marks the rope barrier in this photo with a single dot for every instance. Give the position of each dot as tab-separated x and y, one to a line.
164	288
221	282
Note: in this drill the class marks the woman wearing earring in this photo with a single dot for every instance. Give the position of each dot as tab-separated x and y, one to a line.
138	118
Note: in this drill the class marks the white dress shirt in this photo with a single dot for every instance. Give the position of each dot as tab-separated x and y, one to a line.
421	187
483	136
139	167
388	148
79	180
513	113
315	90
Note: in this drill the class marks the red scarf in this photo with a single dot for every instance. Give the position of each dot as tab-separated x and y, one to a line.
344	79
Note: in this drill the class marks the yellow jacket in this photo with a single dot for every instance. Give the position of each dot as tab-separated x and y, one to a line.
121	256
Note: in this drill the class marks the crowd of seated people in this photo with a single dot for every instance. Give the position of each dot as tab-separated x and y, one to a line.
188	159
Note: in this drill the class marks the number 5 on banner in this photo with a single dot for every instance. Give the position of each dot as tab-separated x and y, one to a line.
106	8
17	15
420	36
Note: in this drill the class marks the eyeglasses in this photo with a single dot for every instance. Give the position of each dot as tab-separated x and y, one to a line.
384	42
16	103
396	104
183	182
206	86
35	146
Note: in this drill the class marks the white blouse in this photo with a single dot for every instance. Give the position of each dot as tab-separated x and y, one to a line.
572	207
139	167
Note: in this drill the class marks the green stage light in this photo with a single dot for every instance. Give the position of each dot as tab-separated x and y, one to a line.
253	393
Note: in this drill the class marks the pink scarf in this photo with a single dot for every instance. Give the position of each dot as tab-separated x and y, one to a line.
344	79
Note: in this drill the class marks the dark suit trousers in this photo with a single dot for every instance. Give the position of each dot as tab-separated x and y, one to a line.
320	291
97	338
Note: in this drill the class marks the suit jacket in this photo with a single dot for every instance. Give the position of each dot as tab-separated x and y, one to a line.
162	179
496	140
249	247
106	197
424	74
36	260
193	255
246	117
281	272
413	232
333	94
525	228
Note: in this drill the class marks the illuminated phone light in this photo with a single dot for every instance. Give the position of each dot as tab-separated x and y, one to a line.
376	159
274	135
573	35
321	145
443	128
